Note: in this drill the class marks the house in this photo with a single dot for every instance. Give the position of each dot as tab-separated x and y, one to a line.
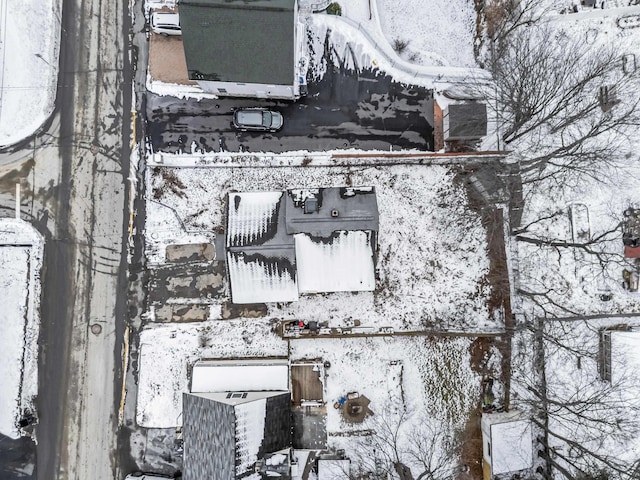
227	433
507	444
258	374
244	49
465	121
284	244
619	353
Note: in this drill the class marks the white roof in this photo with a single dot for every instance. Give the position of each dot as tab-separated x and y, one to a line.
625	353
250	216
254	280
245	376
511	443
343	265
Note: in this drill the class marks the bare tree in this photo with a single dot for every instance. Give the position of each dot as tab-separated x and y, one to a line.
561	103
578	416
407	445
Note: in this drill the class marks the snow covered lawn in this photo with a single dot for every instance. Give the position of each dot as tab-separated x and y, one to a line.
20	262
438	32
167	353
433	258
29	48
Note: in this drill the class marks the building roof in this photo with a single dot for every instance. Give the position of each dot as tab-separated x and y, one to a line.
281	244
341	208
224	436
465	121
625	354
239	41
344	264
511	443
240	375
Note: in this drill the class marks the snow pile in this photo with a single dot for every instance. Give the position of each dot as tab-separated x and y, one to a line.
29	45
21	251
432	247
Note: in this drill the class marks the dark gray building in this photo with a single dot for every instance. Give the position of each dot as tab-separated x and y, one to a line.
242	48
226	433
465	121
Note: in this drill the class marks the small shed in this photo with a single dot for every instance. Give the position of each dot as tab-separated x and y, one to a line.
465	121
619	353
507	443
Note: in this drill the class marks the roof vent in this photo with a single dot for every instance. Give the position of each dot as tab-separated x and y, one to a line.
311	205
335	213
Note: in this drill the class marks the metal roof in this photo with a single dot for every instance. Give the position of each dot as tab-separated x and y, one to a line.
334	248
338	208
239	41
345	263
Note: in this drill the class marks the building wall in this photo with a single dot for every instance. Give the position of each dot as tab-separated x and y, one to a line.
253	90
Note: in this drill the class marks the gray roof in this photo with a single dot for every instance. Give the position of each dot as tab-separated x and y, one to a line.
244	41
219	443
465	121
339	208
262	250
208	452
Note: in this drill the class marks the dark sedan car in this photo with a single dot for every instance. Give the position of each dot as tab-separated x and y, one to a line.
257	119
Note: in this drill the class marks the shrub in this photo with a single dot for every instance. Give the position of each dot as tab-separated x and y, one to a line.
400	45
334	8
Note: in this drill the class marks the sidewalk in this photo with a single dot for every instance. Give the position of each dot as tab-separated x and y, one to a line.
29	47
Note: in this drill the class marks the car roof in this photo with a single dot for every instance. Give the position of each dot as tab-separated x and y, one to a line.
167	17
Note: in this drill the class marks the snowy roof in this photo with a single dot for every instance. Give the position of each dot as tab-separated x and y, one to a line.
21	249
345	264
240	376
252	217
261	279
324	236
507	442
625	353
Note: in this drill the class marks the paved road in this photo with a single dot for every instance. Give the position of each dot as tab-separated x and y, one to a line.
346	109
74	191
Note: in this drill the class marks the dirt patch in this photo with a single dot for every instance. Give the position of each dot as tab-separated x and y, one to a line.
471	452
167	62
230	311
193	252
182	313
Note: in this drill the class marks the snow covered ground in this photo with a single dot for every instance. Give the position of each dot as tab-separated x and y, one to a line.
450	25
21	249
433	256
29	46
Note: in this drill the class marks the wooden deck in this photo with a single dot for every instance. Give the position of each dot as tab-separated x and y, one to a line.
306	384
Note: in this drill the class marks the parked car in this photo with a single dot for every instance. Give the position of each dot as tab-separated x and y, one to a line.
166	23
145	476
257	119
